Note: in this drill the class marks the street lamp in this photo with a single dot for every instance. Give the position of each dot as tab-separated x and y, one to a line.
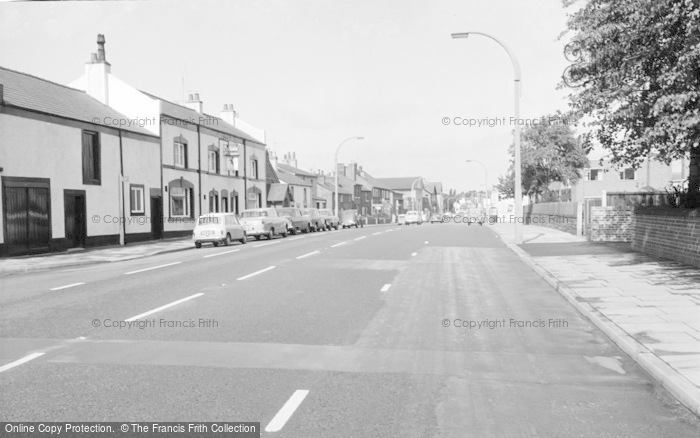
486	178
517	91
413	193
337	189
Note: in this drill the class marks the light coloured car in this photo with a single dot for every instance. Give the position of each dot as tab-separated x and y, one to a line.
350	218
414	217
318	223
436	218
260	222
332	221
401	220
218	228
300	223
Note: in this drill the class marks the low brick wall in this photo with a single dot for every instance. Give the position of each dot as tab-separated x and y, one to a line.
673	233
610	224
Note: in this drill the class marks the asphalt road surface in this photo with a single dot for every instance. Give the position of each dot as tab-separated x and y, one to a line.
354	333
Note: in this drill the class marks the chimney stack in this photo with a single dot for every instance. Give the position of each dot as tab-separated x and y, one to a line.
228	114
194	103
294	160
97	73
274	161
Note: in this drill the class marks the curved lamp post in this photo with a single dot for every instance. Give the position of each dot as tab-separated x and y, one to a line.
486	178
414	195
337	188
517	91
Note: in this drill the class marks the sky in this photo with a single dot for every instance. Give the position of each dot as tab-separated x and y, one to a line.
312	73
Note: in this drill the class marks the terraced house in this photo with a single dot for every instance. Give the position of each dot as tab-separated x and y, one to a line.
206	163
69	177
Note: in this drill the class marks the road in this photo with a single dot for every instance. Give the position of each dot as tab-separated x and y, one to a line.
354	333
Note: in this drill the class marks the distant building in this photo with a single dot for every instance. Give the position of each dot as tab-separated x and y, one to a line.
414	195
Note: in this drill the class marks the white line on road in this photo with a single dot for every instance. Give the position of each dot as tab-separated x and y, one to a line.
150	269
256	273
338	244
278	422
308	254
296	238
220	253
413	254
66	286
360	238
25	359
426	242
158	309
268	243
374	234
385	288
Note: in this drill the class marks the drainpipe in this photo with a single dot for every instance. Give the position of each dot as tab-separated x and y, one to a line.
199	166
122	226
245	175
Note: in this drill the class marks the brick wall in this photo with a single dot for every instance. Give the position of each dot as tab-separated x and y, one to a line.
672	233
610	224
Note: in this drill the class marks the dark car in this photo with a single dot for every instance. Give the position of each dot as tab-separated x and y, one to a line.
332	221
350	218
318	223
301	223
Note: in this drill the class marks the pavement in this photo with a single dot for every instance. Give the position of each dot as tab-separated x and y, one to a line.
648	306
82	257
436	330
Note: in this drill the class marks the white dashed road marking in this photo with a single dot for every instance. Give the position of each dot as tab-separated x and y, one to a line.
158	309
220	253
25	359
360	238
154	267
266	244
385	288
338	244
256	273
414	254
66	286
308	254
278	422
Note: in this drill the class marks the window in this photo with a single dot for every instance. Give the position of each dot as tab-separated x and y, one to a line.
627	174
180	201
213	159
596	175
137	200
234	203
180	151
213	202
91	158
306	203
224	204
254	168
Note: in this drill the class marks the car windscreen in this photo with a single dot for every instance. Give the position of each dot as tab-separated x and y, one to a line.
287	212
254	214
208	220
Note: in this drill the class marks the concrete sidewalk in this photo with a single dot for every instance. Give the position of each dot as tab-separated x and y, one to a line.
101	254
649	307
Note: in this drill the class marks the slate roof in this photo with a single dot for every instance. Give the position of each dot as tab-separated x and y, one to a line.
22	90
403	183
277	192
434	187
206	120
289	178
295	170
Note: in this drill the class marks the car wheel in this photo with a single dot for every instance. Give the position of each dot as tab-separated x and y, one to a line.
216	243
227	242
244	240
271	234
286	232
258	237
197	245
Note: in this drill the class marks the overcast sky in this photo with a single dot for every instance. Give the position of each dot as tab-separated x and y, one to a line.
312	73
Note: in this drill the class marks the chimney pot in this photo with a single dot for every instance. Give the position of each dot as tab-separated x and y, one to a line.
196	96
101	56
93	58
190	97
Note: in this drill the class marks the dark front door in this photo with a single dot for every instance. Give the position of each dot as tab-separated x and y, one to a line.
156	217
27	214
74	212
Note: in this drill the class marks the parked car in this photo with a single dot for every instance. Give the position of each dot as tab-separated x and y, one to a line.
436	218
424	217
401	220
260	222
300	222
332	221
318	223
350	218
414	217
217	228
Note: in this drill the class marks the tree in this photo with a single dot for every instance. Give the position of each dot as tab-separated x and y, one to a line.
637	75
549	153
